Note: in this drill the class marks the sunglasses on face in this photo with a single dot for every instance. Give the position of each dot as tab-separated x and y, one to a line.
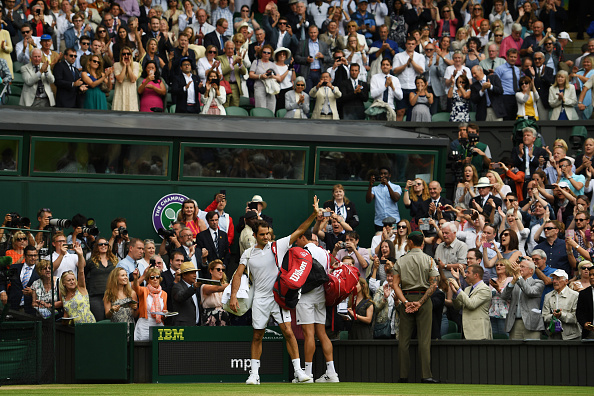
267	53
300	85
26	32
218	269
505	235
580	219
126	54
214	52
525	83
587	268
72	55
282	23
403	227
101	31
94	61
21	239
103	244
549	228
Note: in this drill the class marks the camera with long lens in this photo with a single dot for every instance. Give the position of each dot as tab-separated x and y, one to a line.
455	164
94	231
122	231
165	234
60	223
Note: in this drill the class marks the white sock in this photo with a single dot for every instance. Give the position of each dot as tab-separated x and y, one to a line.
330	368
255	366
296	364
308	368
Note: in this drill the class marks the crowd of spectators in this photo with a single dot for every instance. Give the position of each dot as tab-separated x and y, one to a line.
322	60
513	248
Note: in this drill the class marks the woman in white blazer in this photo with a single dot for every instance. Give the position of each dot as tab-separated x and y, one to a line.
297	101
527	99
562	96
214	95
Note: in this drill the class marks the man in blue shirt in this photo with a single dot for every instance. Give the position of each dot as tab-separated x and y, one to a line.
386	196
387	48
509	74
554	247
542	272
365	21
135	253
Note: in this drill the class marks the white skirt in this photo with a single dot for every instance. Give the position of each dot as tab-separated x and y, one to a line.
142	330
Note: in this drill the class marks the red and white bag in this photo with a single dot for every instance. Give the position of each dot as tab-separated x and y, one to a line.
342	282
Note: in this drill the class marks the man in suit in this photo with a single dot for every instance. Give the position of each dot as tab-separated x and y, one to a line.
354	95
474	302
314	57
19	293
486	92
281	35
493	61
171	275
185	89
585	309
481	202
212	242
255	48
543	77
201	27
432	205
233	68
162	43
188	247
143	18
561	303
325	95
509	74
186	297
524	319
91	15
526	155
70	87
217	37
38	77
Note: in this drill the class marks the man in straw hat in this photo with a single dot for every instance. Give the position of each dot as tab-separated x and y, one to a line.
485	200
185	295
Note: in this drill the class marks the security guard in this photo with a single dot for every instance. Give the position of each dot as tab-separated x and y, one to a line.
414	281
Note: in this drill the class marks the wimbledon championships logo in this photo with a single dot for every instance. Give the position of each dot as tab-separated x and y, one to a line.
166	210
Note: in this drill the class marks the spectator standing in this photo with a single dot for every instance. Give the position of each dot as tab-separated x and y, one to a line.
486	91
585	309
582	279
460	99
513	41
297	100
185	297
152	89
355	92
509	74
94	78
37	77
186	88
351	248
451	253
421	100
386	196
386	89
211	295
120	301
326	95
554	247
20	285
151	299
342	206
42	290
362	314
499	308
126	72
415	280
214	95
398	16
232	70
97	270
542	77
263	70
474	302
407	66
73	292
583	76
561	304
562	98
524	320
314	57
224	11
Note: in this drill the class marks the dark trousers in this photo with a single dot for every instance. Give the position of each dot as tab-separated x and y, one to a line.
511	107
193	109
313	78
406	99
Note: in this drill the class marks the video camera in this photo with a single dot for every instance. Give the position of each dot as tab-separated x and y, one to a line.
456	157
166	234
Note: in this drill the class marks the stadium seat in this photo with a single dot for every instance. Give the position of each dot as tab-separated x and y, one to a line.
452	327
172	108
452	336
236	111
368	103
500	336
15	90
261	112
13	100
281	113
473	116
440	117
344	335
16	66
168	99
245	103
110	97
18	79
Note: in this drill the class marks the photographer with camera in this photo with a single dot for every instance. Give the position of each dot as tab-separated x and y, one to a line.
468	150
83	233
43	217
339	225
119	241
351	248
325	94
170	240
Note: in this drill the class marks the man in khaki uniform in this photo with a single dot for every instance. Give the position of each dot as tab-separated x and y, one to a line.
415	281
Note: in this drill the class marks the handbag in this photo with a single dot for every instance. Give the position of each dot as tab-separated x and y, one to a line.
245	293
382	330
227	86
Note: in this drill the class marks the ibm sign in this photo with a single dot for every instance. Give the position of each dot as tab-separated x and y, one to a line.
215	354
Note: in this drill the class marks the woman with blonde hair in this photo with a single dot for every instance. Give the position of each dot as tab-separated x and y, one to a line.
498	189
527	99
403	228
97	271
19	243
211	295
362	314
126	72
94	77
188	215
582	279
120	301
562	98
355	53
42	289
499	307
151	298
342	206
74	294
413	199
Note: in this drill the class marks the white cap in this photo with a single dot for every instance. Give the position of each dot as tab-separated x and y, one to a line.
565	35
560	273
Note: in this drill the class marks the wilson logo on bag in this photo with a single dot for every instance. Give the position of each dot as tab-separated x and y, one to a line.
292	274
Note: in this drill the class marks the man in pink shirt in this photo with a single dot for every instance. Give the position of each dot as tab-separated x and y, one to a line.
512	41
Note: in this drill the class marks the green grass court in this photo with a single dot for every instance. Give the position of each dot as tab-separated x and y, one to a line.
342	389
